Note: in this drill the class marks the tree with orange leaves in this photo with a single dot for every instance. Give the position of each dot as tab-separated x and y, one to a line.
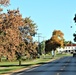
16	34
2	33
10	34
55	41
4	2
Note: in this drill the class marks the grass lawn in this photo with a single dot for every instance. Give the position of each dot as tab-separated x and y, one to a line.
6	67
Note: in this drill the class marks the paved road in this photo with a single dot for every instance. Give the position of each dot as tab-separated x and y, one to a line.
63	66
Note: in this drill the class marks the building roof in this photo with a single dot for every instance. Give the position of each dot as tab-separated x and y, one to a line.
71	45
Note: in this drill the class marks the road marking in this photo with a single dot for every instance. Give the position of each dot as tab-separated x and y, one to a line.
58	73
62	69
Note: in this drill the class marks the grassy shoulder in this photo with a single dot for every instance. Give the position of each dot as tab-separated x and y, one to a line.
9	67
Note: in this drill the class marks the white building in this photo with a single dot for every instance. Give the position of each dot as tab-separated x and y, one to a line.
68	48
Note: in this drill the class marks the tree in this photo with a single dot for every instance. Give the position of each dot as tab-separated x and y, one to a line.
55	41
16	34
67	42
74	18
74	33
28	31
4	2
10	35
42	47
74	37
2	33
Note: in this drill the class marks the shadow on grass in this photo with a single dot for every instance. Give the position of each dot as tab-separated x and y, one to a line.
24	65
15	65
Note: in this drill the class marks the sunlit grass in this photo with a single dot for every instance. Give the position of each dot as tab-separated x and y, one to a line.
9	69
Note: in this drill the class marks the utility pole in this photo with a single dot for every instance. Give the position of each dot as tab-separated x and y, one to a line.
39	52
43	45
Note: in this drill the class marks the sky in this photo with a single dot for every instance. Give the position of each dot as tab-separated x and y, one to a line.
49	15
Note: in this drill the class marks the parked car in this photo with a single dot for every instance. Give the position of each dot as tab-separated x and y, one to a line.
74	54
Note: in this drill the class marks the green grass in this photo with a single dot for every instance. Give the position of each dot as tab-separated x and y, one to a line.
6	67
9	69
62	55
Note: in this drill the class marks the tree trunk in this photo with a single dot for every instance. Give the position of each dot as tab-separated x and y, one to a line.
0	59
19	62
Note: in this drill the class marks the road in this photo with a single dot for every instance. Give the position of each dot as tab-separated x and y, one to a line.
63	66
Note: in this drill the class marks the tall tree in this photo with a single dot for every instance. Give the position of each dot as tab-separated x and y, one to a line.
2	3
16	34
42	47
55	41
9	33
75	31
28	31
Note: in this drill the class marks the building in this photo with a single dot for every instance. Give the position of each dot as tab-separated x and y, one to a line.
68	48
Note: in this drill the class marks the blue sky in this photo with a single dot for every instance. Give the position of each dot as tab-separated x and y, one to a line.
49	15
